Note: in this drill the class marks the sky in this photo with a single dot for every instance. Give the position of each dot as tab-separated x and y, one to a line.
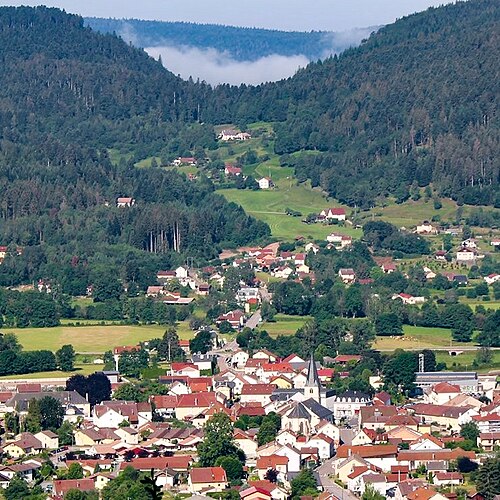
300	15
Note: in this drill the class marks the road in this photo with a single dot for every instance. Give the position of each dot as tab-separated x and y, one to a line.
329	484
254	320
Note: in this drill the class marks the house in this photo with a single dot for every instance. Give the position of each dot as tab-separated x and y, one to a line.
185	369
265	355
204	362
231	170
207	479
73	403
255	493
62	486
181	161
492	278
127	435
466	256
246	442
426	228
324	444
49	439
125	202
448	478
276	462
489	441
239	359
339	240
450	417
265	183
258	393
406	298
442	393
440	255
190	405
25	444
246	294
328	214
311	247
235	318
347	275
382	456
233	135
112	414
348	404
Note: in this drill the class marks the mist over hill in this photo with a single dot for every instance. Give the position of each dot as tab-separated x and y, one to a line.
228	54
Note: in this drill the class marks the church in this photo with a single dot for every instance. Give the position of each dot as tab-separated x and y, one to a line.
308	409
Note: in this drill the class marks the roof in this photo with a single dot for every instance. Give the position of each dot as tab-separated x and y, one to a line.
179	462
271	461
319	410
345	358
198	399
312	374
208	475
257	389
299	412
61	486
446	388
263	493
368	451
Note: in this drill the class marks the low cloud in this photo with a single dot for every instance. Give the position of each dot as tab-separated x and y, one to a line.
216	67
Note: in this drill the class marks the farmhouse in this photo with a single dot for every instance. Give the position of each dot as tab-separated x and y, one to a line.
328	214
125	202
265	183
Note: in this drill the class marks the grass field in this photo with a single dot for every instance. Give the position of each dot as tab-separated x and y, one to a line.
284	325
417	337
80	369
411	213
465	361
269	206
92	339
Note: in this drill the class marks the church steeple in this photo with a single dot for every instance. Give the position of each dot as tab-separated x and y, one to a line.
312	388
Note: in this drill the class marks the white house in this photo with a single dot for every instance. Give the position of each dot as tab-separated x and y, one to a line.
265	183
426	228
333	214
347	275
466	255
125	202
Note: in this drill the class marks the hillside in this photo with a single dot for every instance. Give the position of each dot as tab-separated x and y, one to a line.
415	104
242	44
68	94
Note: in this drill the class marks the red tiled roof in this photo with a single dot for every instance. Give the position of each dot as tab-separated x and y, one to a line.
207	475
62	486
271	461
23	388
363	451
257	389
446	388
179	462
199	399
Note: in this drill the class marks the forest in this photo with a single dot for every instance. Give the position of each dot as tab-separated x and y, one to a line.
415	104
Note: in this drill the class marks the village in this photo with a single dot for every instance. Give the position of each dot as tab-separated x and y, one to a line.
238	421
350	443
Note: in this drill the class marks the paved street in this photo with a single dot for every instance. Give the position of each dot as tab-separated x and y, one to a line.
254	320
329	485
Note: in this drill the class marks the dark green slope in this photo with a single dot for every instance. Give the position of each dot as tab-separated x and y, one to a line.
61	78
66	95
416	103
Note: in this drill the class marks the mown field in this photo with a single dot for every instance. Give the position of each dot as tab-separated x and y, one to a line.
418	337
284	325
91	339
